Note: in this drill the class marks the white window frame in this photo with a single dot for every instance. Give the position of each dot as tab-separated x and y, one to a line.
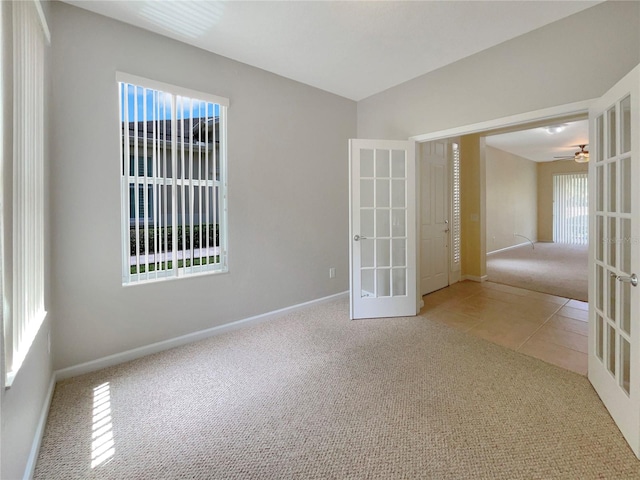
24	311
175	189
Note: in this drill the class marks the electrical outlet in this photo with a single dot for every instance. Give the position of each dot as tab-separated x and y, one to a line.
332	272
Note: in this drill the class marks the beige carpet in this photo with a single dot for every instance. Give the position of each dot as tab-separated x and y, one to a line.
315	396
552	268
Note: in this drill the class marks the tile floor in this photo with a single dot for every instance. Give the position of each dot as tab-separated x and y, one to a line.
553	329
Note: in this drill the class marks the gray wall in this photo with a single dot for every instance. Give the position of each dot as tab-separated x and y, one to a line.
537	70
288	191
21	405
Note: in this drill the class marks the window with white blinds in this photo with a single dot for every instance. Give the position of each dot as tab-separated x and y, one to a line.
23	318
570	208
455	210
173	172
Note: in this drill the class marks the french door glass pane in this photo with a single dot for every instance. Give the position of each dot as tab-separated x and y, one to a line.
382	193
611	344
611	311
611	134
383	253
367	253
382	223
625	124
382	163
368	287
599	236
625	313
599	286
366	163
599	188
625	364
398	193
599	139
384	282
611	205
366	193
599	336
399	281
625	185
366	223
399	253
625	245
611	241
397	163
399	223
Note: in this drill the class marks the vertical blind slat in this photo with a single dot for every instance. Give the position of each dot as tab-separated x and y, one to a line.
191	202
206	174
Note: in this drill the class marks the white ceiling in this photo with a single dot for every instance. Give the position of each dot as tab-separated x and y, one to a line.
538	145
354	49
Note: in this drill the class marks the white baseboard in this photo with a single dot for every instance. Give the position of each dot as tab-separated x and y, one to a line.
509	248
475	278
139	352
37	438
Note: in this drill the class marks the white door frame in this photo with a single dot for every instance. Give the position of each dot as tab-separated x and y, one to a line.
576	108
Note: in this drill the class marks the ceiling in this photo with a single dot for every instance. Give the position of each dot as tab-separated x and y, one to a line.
354	49
538	145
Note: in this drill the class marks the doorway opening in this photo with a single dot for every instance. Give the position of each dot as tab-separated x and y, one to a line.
477	239
537	209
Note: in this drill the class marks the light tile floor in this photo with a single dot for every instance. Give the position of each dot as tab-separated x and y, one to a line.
553	329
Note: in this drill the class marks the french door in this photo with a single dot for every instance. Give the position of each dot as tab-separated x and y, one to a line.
382	229
614	212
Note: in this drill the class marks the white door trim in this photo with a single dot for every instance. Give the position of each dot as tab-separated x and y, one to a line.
576	108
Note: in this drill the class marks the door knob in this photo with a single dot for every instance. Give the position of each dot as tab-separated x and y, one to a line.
358	237
632	279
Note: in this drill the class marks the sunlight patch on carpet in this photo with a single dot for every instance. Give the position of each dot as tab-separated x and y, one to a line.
102	445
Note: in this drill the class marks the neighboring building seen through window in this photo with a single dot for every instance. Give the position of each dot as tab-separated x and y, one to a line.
173	167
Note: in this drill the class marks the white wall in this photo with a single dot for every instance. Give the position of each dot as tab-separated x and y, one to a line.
21	405
511	199
534	71
288	191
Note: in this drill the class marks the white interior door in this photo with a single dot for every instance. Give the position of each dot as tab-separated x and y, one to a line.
614	306
434	217
382	225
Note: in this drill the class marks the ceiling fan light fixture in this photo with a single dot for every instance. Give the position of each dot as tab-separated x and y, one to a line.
581	157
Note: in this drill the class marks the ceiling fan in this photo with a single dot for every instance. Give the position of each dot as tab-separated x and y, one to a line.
582	156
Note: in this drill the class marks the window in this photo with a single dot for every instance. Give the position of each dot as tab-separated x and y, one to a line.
173	168
23	318
570	208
